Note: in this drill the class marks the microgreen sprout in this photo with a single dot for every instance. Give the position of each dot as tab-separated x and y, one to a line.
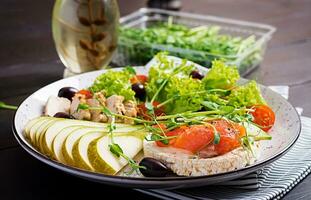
7	106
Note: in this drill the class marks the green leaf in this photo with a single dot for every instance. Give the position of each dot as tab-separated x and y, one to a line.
83	106
131	70
114	83
155	137
186	94
149	106
115	149
209	39
210	105
162	72
216	137
7	106
226	109
161	138
106	111
246	95
221	76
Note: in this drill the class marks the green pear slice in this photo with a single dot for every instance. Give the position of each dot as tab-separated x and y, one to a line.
34	129
79	150
52	131
30	124
59	141
42	129
72	138
102	160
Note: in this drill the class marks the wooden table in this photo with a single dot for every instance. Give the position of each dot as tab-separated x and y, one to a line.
28	61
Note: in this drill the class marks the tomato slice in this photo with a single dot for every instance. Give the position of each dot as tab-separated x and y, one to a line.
88	94
139	78
263	116
142	110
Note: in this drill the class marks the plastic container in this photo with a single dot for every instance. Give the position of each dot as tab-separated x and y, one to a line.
128	49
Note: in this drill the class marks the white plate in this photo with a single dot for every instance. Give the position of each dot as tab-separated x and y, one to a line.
285	132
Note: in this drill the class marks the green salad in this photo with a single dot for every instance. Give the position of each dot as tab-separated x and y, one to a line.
173	105
200	44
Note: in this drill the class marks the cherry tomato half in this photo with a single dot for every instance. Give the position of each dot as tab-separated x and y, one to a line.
88	94
263	116
139	78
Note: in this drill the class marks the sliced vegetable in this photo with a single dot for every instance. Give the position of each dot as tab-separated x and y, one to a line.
88	94
139	78
263	116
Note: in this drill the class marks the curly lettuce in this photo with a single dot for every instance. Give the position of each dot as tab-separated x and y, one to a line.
185	94
165	69
221	76
246	95
114	82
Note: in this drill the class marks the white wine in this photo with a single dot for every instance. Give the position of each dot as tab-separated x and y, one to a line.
85	33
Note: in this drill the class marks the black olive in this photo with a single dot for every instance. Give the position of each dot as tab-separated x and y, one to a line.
197	74
139	90
67	92
62	115
154	168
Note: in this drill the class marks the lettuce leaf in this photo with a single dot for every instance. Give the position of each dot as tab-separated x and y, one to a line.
221	76
114	82
246	95
165	69
187	94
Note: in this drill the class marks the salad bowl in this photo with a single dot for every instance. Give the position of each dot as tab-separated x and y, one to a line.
285	132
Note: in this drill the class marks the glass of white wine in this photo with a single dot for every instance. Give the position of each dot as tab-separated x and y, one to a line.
85	33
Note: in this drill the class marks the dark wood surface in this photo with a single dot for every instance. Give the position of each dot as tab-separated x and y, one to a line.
28	61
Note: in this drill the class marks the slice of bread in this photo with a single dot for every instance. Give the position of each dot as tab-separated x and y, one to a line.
184	163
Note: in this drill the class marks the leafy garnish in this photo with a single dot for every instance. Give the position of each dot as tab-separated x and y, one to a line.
7	106
221	76
185	93
115	149
83	106
131	70
246	95
216	138
207	39
115	83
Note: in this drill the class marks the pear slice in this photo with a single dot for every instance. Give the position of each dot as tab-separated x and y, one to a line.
52	131
102	160
59	141
42	129
72	138
34	129
38	136
30	124
79	150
